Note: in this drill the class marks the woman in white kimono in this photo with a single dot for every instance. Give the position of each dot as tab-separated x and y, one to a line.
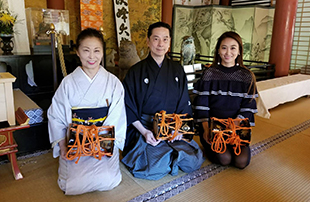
89	86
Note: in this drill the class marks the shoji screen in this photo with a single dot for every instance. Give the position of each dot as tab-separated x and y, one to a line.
301	44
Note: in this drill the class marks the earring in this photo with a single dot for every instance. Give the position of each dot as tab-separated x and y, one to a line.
218	63
237	64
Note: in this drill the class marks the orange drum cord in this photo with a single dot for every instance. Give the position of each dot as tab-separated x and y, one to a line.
90	145
171	122
218	143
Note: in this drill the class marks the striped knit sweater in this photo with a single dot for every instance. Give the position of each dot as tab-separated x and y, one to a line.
225	93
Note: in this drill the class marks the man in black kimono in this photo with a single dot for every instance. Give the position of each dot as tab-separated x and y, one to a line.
154	84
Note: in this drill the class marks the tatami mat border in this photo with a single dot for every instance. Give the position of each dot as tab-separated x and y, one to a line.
179	185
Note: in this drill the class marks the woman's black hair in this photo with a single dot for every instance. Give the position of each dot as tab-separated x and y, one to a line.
86	33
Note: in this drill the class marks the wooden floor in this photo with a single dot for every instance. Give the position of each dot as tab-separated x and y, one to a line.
279	173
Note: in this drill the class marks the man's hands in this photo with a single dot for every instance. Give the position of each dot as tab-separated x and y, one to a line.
149	138
178	137
148	135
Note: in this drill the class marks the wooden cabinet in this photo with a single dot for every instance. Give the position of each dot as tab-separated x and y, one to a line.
42	73
7	112
36	137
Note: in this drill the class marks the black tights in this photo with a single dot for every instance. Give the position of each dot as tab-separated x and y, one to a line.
228	157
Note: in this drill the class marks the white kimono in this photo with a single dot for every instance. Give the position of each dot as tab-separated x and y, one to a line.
76	90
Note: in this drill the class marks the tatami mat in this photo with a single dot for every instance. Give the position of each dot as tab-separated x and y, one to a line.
280	173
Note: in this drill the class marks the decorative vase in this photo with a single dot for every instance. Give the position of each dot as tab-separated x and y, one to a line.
6	43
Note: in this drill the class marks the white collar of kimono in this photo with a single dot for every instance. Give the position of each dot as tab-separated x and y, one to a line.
89	79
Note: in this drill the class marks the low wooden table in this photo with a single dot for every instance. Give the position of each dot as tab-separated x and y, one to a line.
9	147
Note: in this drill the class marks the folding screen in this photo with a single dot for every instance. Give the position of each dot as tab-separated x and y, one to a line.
207	23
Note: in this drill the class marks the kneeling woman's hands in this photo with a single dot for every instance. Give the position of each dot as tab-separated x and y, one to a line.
206	132
63	149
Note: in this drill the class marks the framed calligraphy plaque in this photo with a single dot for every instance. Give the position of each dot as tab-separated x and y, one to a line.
121	13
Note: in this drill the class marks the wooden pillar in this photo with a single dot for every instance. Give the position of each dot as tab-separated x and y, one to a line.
225	2
166	13
282	36
55	4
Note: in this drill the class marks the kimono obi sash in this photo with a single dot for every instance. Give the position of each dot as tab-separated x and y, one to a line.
89	116
87	136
